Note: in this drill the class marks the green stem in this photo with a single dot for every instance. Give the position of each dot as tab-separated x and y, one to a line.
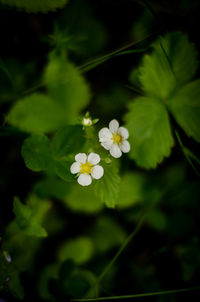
165	292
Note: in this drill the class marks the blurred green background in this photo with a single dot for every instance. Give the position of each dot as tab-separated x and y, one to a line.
58	60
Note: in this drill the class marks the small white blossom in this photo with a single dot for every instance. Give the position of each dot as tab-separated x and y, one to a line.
87	122
114	139
87	168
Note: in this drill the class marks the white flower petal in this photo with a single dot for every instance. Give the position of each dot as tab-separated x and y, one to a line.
75	168
97	172
115	151
123	132
84	180
81	158
94	158
104	133
107	143
113	126
125	146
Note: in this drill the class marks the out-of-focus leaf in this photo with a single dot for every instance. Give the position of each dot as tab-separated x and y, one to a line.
66	86
9	278
157	220
80	250
49	272
36	5
68	140
28	217
36	113
131	190
185	106
81	199
84	38
62	170
80	283
37	153
150	133
51	188
107	188
107	234
190	258
173	62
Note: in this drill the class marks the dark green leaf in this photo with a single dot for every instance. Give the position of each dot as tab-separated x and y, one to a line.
185	106
36	5
37	153
68	140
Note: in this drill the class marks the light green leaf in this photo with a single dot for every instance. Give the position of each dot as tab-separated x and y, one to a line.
36	5
150	133
107	188
36	113
172	63
28	217
185	106
66	86
80	250
131	190
37	153
68	140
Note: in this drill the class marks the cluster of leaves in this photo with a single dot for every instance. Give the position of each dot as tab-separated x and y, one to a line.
165	78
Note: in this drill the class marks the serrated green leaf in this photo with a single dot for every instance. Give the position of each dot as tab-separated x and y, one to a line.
37	153
28	218
107	188
36	113
68	140
185	106
66	86
150	133
36	5
71	250
172	63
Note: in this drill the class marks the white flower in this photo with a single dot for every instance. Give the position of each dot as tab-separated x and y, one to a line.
87	122
87	168
114	139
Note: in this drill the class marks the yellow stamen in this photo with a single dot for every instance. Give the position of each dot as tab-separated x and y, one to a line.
117	138
86	168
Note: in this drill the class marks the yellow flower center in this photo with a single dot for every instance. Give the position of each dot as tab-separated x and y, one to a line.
86	168
117	139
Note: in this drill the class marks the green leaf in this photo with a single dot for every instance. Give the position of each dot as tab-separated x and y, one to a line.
68	140
37	153
71	250
36	5
150	133
83	200
172	63
131	190
185	106
66	86
36	113
51	188
28	217
107	188
62	170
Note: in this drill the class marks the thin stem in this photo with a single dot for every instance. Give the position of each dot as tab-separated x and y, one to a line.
165	292
188	154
